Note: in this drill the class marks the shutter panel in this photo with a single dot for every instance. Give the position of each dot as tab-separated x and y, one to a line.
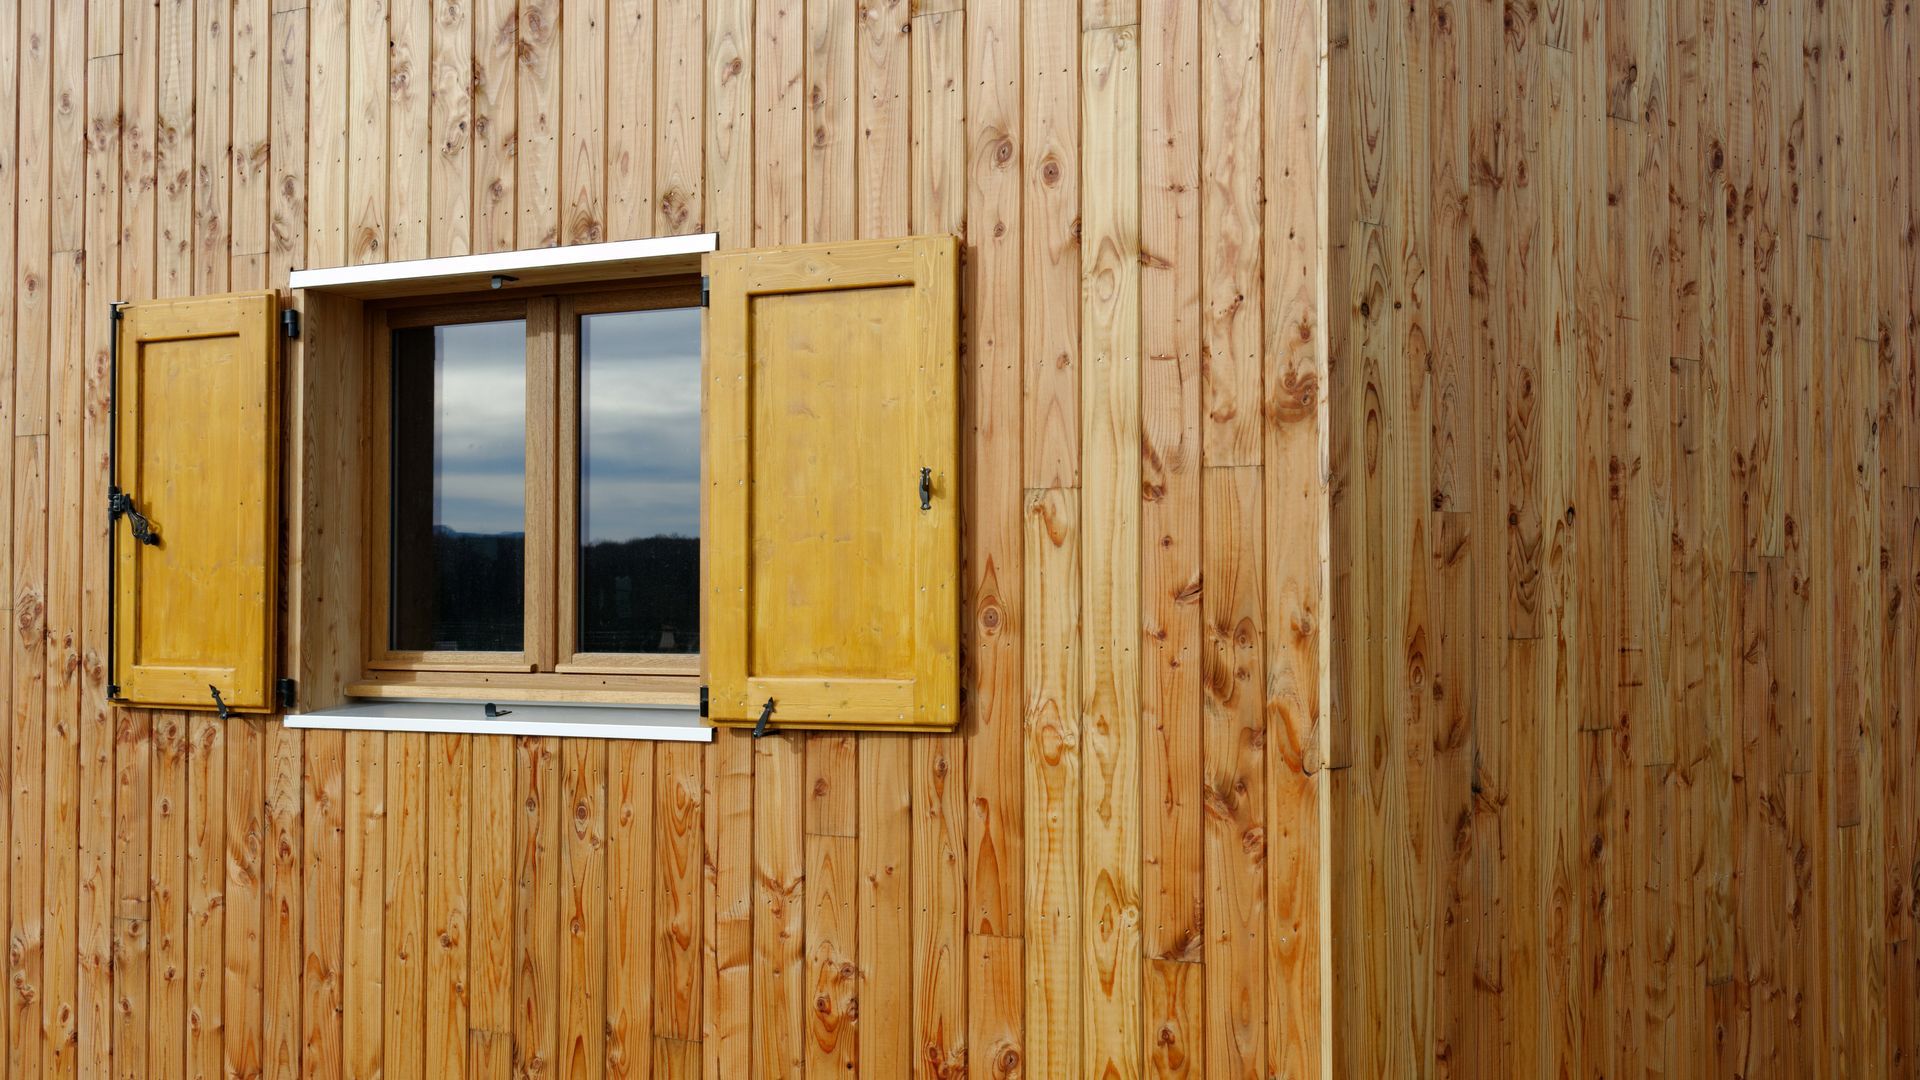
831	383
196	453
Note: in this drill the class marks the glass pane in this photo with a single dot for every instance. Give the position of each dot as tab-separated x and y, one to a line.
640	482
459	487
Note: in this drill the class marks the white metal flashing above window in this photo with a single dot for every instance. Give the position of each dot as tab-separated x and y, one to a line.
660	722
532	267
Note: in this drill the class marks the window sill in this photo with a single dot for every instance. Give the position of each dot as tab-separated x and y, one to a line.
668	723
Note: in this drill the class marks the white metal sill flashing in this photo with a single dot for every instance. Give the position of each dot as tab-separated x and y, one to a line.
666	723
527	267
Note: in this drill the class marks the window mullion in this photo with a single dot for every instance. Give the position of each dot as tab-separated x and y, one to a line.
542	482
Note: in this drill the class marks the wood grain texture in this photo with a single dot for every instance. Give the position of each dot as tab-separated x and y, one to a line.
1608	374
1111	1020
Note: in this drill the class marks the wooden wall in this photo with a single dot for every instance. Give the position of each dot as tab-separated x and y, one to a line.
1110	868
1626	537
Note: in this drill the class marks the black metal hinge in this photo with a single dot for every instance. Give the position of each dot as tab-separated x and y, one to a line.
703	703
706	291
118	503
287	690
290	323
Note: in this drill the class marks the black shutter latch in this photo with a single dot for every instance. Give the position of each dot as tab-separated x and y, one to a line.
766	716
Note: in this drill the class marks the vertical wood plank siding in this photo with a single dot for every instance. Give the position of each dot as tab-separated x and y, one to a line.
1441	548
1621	520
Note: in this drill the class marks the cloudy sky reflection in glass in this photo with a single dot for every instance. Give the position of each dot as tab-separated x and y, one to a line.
640	425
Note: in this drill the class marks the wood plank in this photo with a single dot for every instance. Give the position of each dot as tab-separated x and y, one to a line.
727	928
245	986
367	213
882	921
451	138
409	109
404	948
67	130
323	882
730	64
938	874
281	897
882	56
1173	998
1231	167
537	151
1234	739
583	871
490	959
631	904
678	811
991	312
1171	454
1295	523
166	1040
253	51
32	235
206	857
832	934
328	105
536	906
995	972
678	102
1050	121
496	49
212	148
778	130
445	1023
27	817
1110	477
60	786
631	30
363	857
828	187
1053	785
779	982
583	139
173	151
139	63
1521	232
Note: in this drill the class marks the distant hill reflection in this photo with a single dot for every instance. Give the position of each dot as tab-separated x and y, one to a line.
640	595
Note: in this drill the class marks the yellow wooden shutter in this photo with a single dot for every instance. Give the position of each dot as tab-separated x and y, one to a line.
196	452
831	384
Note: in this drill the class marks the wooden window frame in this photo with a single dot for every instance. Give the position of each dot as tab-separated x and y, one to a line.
549	666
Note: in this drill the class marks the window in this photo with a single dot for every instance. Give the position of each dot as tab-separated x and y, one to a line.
536	492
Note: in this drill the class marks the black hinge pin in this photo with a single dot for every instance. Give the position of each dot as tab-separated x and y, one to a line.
706	291
290	322
219	702
766	717
289	693
703	703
